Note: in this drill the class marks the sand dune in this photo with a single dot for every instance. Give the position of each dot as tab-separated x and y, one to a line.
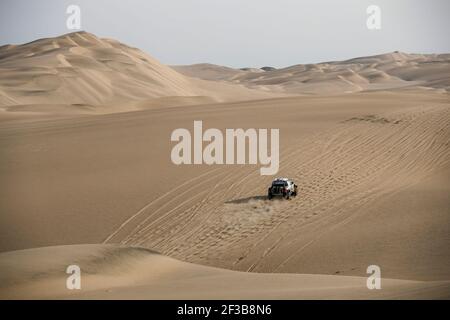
366	140
79	73
386	71
92	75
111	272
210	71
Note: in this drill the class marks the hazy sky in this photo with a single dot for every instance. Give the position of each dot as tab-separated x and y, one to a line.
240	33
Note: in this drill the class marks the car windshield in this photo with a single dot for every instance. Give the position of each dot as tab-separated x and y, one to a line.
279	184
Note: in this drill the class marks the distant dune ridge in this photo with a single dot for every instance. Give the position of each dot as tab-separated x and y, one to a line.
81	73
85	126
385	71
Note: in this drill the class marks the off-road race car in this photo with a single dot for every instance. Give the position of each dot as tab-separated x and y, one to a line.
282	187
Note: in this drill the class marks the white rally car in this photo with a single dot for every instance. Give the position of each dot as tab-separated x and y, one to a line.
282	187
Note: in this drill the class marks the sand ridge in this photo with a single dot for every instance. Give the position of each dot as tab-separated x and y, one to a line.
385	71
113	272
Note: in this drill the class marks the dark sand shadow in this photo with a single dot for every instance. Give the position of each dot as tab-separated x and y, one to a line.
248	199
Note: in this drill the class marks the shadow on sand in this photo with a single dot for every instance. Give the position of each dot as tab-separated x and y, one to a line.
248	199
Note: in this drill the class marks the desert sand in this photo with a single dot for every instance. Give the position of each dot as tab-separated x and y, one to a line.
112	272
85	128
